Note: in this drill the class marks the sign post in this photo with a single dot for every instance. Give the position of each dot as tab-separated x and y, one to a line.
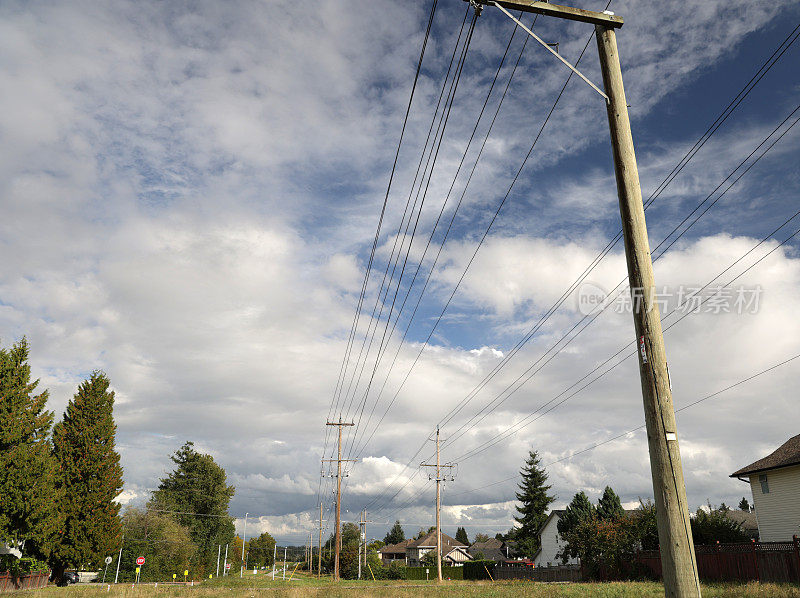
139	563
108	562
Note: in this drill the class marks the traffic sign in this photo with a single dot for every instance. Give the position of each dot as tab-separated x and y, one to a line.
140	560
227	565
108	560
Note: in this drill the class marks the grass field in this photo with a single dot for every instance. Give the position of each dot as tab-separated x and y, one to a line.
303	585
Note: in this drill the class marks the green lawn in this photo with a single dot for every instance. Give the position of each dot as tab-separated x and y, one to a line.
304	585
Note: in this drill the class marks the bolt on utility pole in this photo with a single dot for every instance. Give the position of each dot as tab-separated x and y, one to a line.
439	467
674	530
338	461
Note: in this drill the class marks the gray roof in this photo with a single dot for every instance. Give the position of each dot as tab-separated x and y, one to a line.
785	455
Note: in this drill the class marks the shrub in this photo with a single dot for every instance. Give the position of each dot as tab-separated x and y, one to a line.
479	569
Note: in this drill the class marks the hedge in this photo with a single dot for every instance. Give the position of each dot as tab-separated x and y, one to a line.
447	572
478	569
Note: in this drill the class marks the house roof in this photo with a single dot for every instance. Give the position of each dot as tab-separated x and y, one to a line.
395	548
744	518
786	454
429	541
554	513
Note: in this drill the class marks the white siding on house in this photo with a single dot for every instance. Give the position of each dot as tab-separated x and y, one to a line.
778	512
551	545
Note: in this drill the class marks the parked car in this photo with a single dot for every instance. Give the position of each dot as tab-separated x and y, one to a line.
68	578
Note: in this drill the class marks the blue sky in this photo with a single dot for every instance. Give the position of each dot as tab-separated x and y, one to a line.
190	196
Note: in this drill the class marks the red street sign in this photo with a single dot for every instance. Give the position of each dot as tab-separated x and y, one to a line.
227	565
140	560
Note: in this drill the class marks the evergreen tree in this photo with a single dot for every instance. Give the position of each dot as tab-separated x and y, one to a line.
744	505
28	495
724	508
578	510
198	485
89	477
396	534
609	505
461	536
534	503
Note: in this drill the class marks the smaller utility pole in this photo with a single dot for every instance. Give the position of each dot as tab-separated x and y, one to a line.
319	570
285	548
119	558
225	564
439	467
244	543
219	554
339	462
274	559
362	528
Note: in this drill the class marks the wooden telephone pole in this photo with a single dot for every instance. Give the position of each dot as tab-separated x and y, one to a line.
340	424
439	467
674	531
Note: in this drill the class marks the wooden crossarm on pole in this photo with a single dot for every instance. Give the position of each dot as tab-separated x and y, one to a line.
564	12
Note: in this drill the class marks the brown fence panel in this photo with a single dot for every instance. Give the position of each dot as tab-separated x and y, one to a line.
31	581
775	562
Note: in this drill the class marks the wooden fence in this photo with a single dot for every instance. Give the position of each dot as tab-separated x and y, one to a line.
28	581
776	562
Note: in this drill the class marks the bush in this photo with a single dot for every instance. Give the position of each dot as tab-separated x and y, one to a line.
447	572
478	569
396	571
23	566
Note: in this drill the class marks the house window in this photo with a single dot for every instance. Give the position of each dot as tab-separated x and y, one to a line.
762	479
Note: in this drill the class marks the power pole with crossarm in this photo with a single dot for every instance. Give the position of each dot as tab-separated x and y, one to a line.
678	561
439	467
340	424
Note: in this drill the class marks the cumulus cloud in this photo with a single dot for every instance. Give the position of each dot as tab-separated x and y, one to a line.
189	197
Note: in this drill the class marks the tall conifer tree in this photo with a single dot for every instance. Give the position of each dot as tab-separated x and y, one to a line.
199	492
89	477
534	503
609	505
27	468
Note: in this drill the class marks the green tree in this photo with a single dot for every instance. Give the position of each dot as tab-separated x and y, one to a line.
533	504
609	505
396	534
647	523
744	505
260	551
480	538
89	477
166	545
198	490
715	526
28	495
461	536
348	557
605	546
578	510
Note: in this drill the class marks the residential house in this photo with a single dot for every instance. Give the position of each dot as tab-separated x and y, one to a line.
746	519
493	550
392	553
453	551
775	484
551	543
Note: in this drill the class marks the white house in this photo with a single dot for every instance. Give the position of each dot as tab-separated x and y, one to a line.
775	484
453	551
551	543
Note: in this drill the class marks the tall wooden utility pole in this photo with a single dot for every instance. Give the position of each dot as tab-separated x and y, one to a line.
439	467
674	531
340	424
